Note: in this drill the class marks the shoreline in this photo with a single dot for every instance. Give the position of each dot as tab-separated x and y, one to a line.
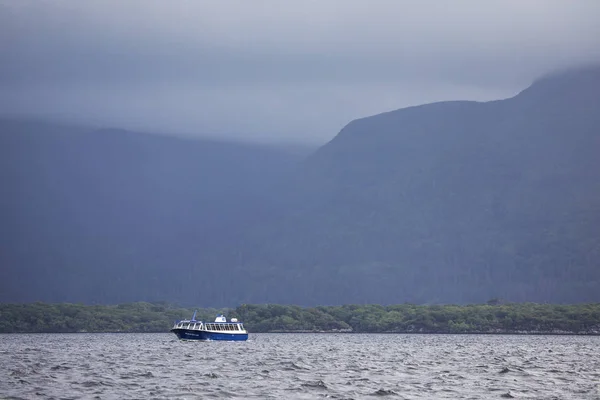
507	333
476	319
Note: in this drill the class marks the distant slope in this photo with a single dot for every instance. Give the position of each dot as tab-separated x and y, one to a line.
451	202
111	215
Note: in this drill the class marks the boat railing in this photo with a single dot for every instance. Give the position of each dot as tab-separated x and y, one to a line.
217	326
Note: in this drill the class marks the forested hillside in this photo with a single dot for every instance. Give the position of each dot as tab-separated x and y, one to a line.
453	202
104	215
450	202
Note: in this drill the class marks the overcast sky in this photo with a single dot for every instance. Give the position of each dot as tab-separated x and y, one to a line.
284	70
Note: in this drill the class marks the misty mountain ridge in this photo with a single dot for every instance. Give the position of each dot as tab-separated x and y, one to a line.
83	204
447	202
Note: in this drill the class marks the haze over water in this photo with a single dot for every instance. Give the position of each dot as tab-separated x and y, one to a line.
300	366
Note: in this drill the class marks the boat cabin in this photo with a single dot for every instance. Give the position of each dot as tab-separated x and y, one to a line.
220	325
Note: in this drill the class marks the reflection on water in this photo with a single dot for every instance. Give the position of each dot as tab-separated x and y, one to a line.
300	366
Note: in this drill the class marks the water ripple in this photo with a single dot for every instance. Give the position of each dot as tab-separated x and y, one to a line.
299	366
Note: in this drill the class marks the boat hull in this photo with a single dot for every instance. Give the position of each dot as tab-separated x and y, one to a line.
188	334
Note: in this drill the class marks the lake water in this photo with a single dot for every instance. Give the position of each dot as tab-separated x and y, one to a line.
299	366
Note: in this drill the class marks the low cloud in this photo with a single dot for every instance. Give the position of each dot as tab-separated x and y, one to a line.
271	70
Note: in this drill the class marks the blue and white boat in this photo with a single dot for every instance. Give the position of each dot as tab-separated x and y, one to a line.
190	329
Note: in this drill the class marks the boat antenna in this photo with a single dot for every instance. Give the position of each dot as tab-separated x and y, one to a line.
194	316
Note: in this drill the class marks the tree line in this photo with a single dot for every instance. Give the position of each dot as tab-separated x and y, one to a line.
403	318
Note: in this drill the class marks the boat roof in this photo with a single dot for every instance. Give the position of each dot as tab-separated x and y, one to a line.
221	319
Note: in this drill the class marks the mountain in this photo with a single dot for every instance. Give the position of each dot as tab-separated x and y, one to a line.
451	202
110	215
